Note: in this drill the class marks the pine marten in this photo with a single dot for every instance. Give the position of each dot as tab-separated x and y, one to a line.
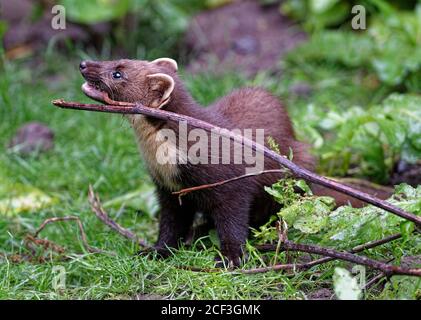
233	207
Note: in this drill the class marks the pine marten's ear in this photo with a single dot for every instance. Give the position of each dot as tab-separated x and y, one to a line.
164	84
166	62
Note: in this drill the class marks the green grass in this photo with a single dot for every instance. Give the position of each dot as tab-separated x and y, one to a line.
100	149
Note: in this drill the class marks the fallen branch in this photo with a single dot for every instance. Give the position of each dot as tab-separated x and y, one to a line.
298	171
331	254
30	243
375	280
359	248
103	216
387	269
44	242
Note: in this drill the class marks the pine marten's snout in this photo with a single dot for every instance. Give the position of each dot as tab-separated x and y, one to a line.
90	70
98	77
93	73
82	65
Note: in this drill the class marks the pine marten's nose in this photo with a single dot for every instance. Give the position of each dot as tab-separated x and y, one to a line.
82	65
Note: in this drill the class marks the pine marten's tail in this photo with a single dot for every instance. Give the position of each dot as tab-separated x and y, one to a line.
375	190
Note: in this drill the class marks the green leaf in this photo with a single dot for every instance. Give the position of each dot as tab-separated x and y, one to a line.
16	198
407	228
303	186
95	11
213	236
393	130
308	215
319	6
402	288
143	199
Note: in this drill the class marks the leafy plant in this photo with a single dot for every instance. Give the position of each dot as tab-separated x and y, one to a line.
90	12
315	218
319	14
390	47
144	28
370	140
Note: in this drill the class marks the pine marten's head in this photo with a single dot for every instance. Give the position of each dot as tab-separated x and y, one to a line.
150	83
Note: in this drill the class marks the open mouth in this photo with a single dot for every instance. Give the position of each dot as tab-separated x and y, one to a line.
93	91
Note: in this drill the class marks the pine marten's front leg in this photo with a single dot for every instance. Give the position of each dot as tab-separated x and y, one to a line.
231	217
174	223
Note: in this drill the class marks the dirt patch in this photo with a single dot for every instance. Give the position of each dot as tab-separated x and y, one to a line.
32	137
244	36
321	294
27	34
407	173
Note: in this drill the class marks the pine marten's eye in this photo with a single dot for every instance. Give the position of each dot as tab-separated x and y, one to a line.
116	74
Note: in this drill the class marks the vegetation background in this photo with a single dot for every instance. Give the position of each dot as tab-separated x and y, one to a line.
354	95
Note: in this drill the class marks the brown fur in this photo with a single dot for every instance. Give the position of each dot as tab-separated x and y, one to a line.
232	207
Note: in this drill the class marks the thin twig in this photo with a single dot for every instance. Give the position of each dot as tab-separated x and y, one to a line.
375	280
185	191
298	171
80	226
387	269
275	267
103	216
331	254
359	248
198	269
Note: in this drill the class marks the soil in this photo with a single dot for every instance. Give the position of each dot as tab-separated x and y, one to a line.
31	138
407	173
26	34
321	294
245	36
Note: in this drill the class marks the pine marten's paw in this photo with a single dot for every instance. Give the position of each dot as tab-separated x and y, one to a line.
155	251
230	263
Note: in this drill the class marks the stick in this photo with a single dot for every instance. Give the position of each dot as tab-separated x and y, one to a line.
298	171
375	280
185	191
80	225
359	248
331	254
387	269
103	216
